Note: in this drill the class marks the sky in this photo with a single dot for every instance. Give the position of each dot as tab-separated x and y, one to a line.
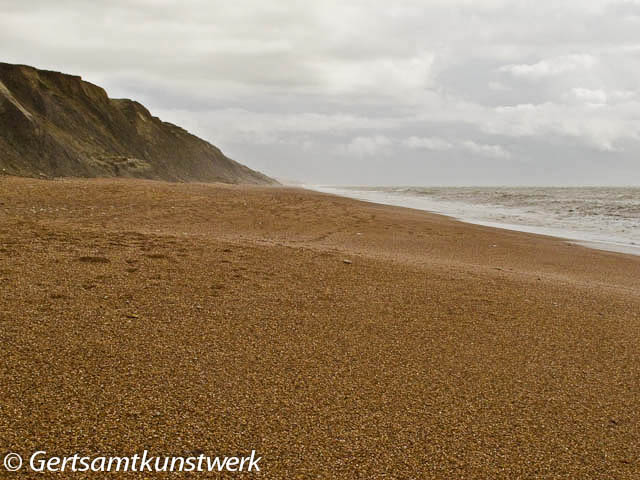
367	92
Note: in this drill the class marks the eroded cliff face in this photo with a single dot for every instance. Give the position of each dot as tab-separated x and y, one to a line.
56	125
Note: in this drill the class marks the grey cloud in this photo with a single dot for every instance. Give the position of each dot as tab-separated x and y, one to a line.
355	91
551	67
427	143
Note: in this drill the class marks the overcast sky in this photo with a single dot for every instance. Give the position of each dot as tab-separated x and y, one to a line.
431	92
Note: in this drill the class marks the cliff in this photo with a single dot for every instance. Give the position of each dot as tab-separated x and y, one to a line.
57	125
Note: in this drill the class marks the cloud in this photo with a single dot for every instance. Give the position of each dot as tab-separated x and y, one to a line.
427	143
298	88
379	144
469	146
366	146
483	150
380	75
498	86
550	67
601	129
599	97
590	97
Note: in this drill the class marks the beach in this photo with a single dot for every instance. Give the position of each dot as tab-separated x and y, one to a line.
336	338
606	218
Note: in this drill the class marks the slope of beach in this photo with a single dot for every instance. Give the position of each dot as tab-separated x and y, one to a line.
339	339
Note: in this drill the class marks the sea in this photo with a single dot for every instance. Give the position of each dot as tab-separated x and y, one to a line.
607	218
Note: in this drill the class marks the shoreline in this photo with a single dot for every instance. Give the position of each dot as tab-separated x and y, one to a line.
337	338
574	236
